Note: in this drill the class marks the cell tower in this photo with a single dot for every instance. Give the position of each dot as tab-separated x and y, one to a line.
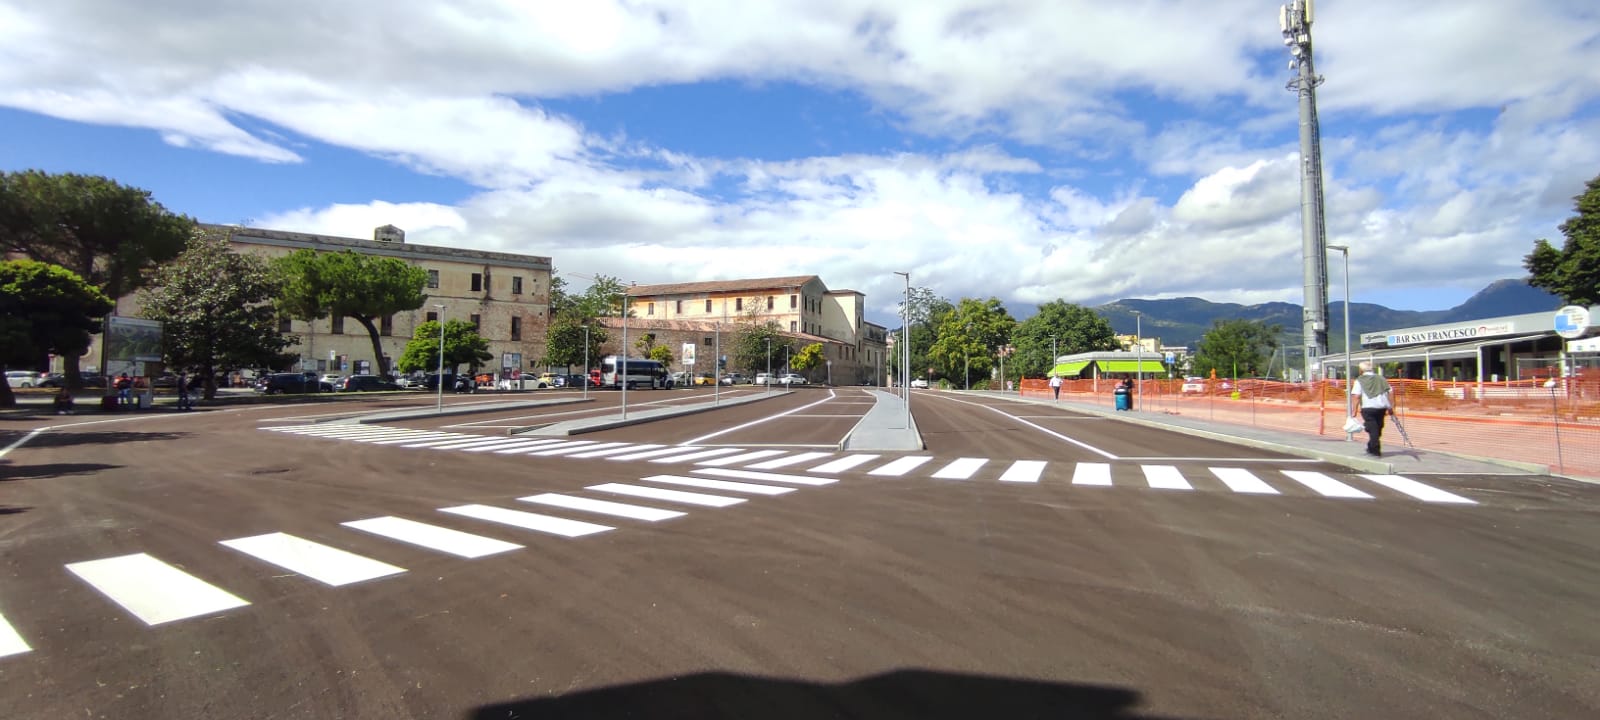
1295	21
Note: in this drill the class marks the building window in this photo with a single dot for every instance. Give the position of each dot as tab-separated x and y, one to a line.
338	325
705	341
433	316
708	305
738	304
516	328
791	326
477	282
386	326
516	285
284	325
677	307
649	308
794	301
475	322
769	302
433	278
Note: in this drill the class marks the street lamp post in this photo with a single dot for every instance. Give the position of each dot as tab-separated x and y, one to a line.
439	405
1138	339
622	363
905	327
586	361
966	372
769	366
1348	398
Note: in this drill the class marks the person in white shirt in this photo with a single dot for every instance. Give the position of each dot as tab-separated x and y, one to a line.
1375	403
1055	384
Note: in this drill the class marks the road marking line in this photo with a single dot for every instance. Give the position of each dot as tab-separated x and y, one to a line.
703	438
576	446
422	436
658	452
1323	484
842	464
960	469
1088	473
1425	493
499	443
1273	460
154	591
381	436
520	446
11	642
776	463
329	565
433	537
625	447
688	498
1026	471
528	520
775	477
604	507
532	445
714	452
1040	428
1241	480
1165	477
736	459
901	466
752	488
342	430
459	444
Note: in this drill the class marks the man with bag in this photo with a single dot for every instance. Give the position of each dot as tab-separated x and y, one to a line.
1374	391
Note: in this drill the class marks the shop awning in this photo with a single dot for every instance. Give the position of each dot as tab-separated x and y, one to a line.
1131	366
1069	369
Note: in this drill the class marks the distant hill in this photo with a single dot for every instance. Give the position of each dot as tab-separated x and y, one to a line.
1182	321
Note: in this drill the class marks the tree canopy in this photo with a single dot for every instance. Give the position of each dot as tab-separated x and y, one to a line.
1573	272
44	309
462	346
970	337
1072	328
661	354
563	343
749	347
362	287
809	358
1236	348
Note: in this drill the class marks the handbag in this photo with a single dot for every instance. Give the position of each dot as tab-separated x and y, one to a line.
1353	424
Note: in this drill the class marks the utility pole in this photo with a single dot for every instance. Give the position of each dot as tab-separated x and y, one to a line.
1294	19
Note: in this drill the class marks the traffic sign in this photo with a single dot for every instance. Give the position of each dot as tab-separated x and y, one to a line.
1572	321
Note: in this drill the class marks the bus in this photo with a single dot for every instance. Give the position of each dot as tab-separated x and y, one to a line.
637	372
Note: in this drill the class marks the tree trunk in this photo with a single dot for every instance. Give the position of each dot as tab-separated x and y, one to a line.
377	346
7	398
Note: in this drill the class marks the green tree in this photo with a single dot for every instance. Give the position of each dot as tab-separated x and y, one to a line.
1072	328
563	343
749	349
809	358
969	339
109	234
646	344
44	309
1236	348
462	346
603	298
1573	272
661	354
216	310
364	288
927	311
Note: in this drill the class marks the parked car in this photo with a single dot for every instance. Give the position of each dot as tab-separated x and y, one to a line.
574	381
333	379
367	383
281	383
792	379
1193	386
55	380
763	379
452	382
735	378
546	380
919	383
705	379
23	378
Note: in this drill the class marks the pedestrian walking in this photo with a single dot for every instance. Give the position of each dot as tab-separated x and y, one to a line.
124	387
184	403
1374	391
1055	385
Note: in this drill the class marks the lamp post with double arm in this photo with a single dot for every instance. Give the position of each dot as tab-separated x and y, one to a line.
439	406
1349	400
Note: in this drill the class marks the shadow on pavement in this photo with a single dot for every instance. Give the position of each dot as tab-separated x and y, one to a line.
45	471
106	437
12	510
920	694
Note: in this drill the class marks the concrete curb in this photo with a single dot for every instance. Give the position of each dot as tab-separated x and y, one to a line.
578	427
387	415
876	431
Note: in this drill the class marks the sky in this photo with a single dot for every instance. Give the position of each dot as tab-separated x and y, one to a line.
1083	150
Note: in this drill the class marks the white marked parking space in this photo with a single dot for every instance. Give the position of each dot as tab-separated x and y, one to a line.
774	477
603	507
1165	477
728	485
528	520
1418	490
843	464
154	591
1088	473
328	565
791	460
687	498
10	641
714	452
1325	485
433	537
1241	480
900	466
1024	471
741	458
960	469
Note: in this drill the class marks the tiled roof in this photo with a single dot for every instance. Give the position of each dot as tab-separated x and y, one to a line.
720	286
647	325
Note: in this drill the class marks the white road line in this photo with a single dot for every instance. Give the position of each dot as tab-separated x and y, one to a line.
776	463
688	498
714	452
603	507
752	488
433	537
736	459
1088	473
532	445
11	643
1025	471
768	418
1241	480
614	451
1165	477
384	435
566	447
528	520
1323	484
1425	493
461	444
658	452
901	466
960	469
499	443
1040	428
154	591
775	477
314	560
422	436
842	464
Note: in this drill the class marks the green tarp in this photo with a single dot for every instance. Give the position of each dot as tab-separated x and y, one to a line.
1131	366
1070	369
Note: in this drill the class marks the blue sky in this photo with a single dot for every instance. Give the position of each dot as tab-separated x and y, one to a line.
1087	151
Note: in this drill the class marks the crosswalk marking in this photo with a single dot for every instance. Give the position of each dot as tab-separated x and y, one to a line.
960	469
714	452
495	444
795	459
154	591
688	498
673	450
528	520
11	642
1417	490
566	447
745	457
1325	485
1025	471
527	446
752	488
625	447
358	431
1241	480
1165	477
901	466
329	565
754	475
1088	473
842	464
507	447
433	537
421	436
603	507
453	443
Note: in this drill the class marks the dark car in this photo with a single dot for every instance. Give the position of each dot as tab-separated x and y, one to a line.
280	383
574	381
367	383
452	382
55	380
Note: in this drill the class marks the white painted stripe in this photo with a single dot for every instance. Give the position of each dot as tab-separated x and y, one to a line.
674	450
743	458
532	445
714	452
960	469
724	431
567	447
776	463
753	475
687	498
359	429
385	435
314	560
1088	473
528	520
614	451
1323	484
469	446
901	466
1024	471
154	591
752	488
452	442
1425	493
1165	477
603	507
842	464
433	537
1241	480
422	436
10	642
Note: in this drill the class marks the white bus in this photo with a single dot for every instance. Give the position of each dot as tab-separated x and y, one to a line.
636	373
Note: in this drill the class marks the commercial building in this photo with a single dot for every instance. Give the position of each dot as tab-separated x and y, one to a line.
1513	347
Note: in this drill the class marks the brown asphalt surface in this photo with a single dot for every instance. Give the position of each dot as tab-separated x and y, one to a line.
901	597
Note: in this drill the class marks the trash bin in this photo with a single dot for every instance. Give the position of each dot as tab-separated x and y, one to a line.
1124	399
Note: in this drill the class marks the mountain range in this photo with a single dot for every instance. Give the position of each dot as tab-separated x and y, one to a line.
1182	321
